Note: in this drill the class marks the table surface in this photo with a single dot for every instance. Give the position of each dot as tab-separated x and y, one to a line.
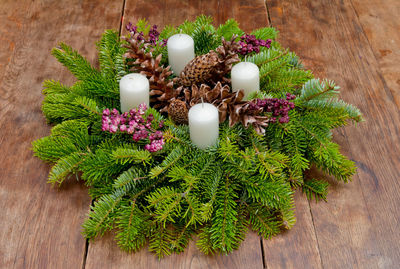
354	42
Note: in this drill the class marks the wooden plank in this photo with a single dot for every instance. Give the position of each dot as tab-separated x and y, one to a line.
380	23
298	247
104	253
359	226
40	224
11	24
175	12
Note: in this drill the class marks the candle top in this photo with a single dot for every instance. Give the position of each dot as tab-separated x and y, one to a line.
245	70
180	40
203	112
133	81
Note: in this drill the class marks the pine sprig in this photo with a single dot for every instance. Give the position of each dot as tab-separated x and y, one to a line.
317	189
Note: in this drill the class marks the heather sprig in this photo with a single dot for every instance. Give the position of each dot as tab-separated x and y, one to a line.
279	108
151	38
249	44
136	124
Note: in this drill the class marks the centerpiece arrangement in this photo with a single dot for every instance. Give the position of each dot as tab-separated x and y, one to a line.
192	131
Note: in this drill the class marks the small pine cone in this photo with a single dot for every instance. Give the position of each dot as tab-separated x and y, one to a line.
199	69
178	112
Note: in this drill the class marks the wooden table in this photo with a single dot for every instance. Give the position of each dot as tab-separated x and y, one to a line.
354	42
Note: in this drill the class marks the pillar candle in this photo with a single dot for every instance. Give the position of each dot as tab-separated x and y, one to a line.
245	76
180	52
134	90
203	125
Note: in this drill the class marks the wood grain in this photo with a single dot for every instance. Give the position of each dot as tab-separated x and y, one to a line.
40	225
248	256
354	42
298	247
359	226
175	12
380	23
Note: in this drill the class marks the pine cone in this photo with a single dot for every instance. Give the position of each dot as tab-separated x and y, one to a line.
199	69
212	67
161	87
220	96
227	56
245	114
178	112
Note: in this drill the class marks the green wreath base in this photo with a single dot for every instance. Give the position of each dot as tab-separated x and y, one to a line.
167	197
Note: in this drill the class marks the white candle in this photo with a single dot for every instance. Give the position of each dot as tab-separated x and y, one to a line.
203	125
245	76
134	90
180	52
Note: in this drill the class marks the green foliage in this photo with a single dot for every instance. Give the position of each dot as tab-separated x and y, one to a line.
229	28
280	70
64	167
143	26
317	189
265	33
164	198
110	56
131	224
263	221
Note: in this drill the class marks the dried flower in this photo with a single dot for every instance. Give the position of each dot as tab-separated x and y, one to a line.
135	124
278	107
249	44
152	37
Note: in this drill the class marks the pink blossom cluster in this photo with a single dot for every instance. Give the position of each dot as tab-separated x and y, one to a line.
135	124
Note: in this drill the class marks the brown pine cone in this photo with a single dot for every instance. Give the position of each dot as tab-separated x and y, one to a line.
212	67
161	87
178	112
199	69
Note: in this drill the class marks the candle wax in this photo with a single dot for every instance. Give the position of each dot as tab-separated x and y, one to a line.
245	76
180	52
204	125
134	90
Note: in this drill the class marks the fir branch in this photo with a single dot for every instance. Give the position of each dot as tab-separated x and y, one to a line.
315	188
100	218
89	104
110	55
132	225
263	221
265	33
52	149
314	90
129	178
223	230
55	87
230	28
288	217
169	161
205	242
160	241
127	155
64	167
